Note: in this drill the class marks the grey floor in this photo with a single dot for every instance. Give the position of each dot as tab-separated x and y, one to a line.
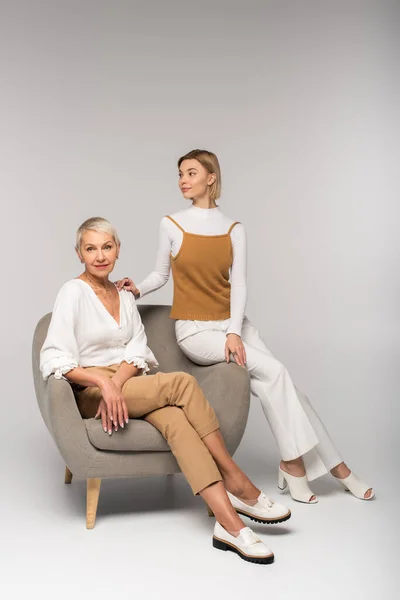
153	538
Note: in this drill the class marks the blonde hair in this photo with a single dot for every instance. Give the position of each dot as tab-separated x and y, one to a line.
96	224
211	164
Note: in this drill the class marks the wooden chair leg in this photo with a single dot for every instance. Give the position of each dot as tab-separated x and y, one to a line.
92	500
68	475
210	512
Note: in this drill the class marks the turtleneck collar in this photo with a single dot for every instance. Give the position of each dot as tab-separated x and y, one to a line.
205	212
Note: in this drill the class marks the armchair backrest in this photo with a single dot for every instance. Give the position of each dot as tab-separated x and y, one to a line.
40	386
160	331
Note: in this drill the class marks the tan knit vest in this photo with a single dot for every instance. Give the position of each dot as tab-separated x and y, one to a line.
200	270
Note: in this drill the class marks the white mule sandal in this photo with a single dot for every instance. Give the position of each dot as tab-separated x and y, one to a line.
298	487
357	487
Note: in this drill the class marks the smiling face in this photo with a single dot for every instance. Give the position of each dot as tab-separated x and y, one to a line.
99	251
195	180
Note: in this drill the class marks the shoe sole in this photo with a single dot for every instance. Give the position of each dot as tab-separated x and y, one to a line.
260	560
264	521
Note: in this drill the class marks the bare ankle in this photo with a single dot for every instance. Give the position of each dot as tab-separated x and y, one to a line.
231	525
294	467
247	492
341	471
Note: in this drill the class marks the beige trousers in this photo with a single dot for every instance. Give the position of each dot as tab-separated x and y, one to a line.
175	404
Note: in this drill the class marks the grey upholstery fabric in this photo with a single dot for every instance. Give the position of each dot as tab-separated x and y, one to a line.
139	450
139	436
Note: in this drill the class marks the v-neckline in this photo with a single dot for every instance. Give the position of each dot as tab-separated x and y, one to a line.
98	300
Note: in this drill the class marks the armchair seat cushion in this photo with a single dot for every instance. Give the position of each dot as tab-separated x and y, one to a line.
137	436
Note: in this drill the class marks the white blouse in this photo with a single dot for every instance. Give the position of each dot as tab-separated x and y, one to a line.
204	221
82	333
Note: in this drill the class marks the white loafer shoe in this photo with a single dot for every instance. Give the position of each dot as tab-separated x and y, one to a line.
247	545
265	511
357	487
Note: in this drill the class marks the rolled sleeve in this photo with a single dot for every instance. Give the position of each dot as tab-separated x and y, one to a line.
59	353
59	367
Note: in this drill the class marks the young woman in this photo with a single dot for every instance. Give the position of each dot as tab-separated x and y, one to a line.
207	254
96	340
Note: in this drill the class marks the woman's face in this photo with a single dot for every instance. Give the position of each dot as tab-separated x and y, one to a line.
99	252
194	179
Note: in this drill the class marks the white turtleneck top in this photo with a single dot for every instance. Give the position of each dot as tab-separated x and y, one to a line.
203	221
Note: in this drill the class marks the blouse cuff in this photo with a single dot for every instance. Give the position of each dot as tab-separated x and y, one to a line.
140	363
58	371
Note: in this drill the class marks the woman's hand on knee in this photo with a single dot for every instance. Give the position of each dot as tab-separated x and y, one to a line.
234	346
128	285
117	409
102	414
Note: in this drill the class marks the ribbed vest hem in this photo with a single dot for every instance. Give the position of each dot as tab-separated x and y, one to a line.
179	316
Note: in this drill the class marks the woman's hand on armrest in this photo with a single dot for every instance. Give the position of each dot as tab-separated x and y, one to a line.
128	285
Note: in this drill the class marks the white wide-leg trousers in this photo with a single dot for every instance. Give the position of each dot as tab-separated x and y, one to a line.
294	423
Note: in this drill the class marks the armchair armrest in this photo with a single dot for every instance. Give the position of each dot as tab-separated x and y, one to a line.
67	427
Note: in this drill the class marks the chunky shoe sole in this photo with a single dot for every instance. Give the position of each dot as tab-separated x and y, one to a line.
261	560
264	521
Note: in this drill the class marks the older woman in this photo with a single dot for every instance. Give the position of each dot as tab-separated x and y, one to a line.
96	340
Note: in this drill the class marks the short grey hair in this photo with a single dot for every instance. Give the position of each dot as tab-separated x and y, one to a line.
96	224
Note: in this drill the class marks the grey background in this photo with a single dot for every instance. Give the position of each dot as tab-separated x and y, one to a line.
299	99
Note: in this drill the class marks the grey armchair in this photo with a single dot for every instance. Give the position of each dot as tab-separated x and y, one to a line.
139	449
